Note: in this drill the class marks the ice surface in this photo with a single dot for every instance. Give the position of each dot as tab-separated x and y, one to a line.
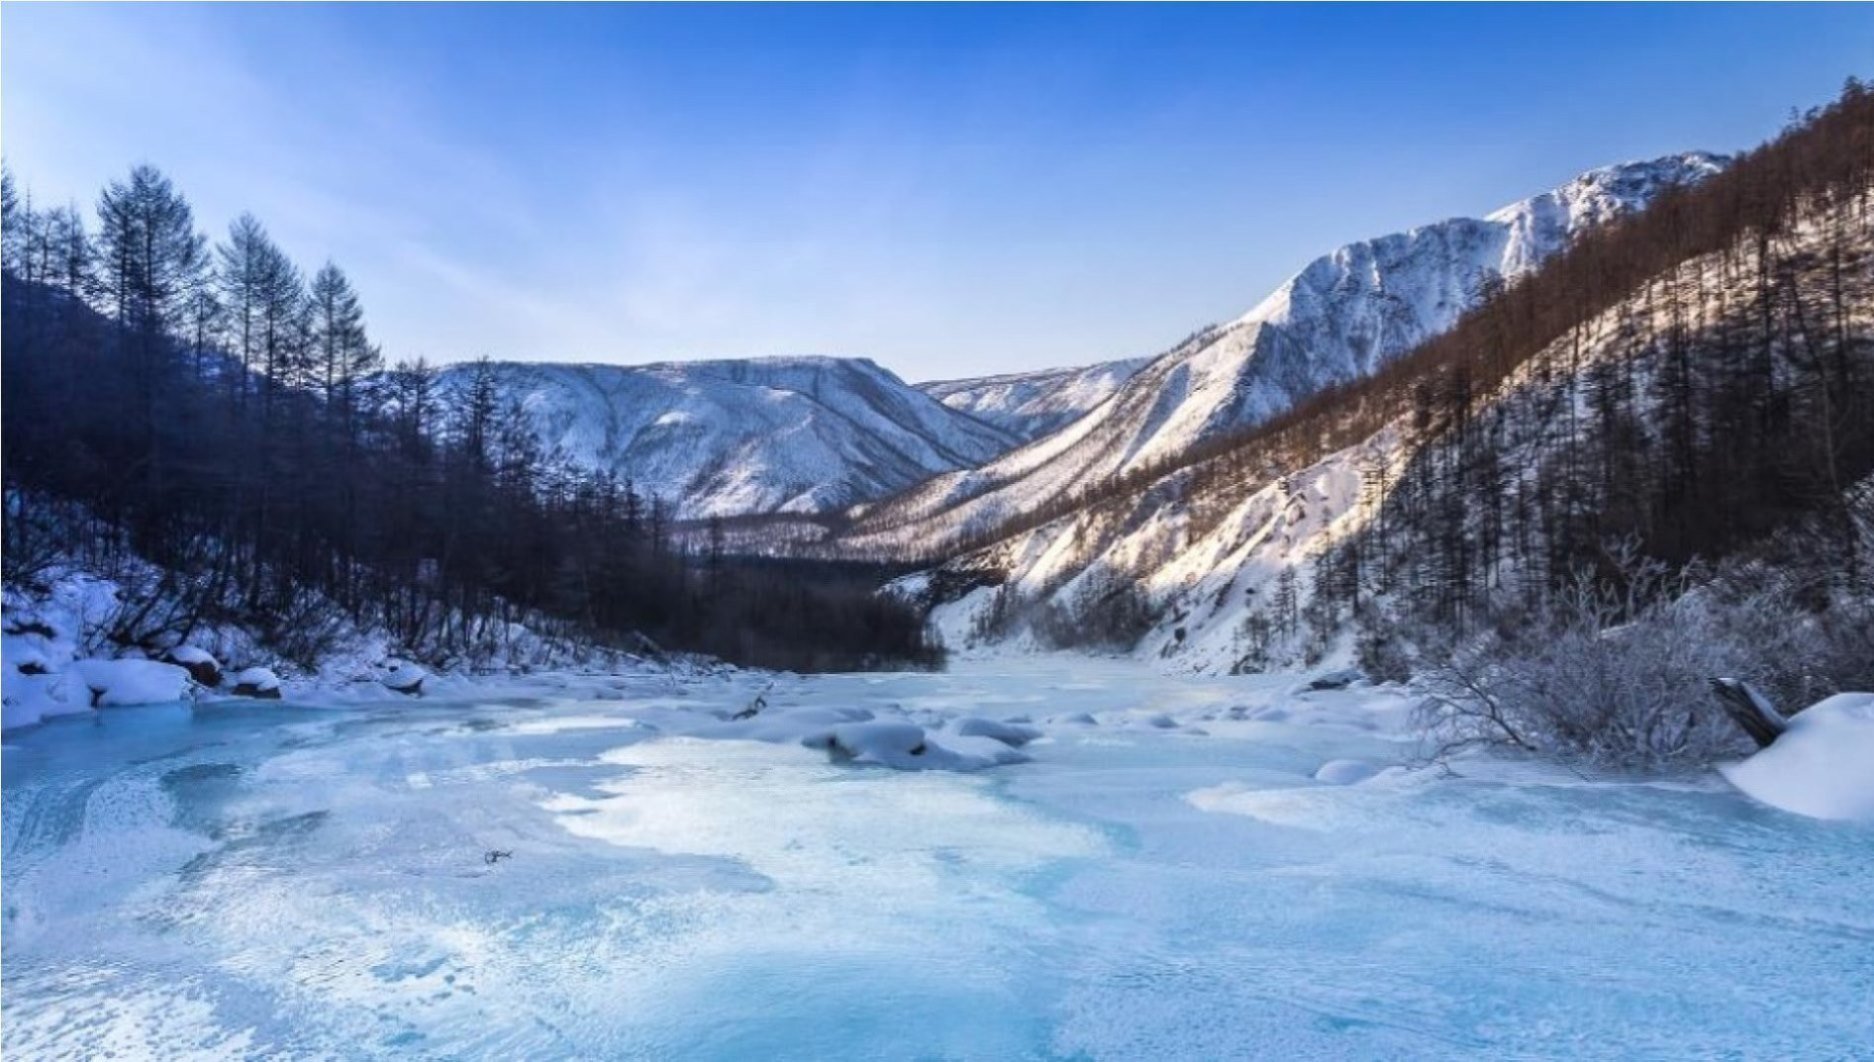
611	867
1823	766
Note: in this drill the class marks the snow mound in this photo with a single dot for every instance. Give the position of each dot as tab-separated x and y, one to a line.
1822	766
906	747
405	678
1345	772
114	683
1011	734
31	699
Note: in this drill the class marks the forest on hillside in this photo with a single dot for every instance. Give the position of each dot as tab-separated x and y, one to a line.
215	409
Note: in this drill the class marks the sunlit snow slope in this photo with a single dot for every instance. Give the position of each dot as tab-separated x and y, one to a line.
1032	404
755	435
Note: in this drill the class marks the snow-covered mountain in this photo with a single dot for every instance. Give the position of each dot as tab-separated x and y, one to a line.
1227	556
755	435
1032	404
1339	318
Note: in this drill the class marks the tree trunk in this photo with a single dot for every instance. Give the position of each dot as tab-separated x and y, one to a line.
1749	710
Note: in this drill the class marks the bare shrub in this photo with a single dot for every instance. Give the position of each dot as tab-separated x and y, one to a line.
303	626
1611	671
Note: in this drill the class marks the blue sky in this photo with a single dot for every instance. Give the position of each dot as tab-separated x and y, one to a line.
951	190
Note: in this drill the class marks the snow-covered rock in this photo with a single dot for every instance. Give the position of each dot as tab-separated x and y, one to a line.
406	678
198	662
1337	680
257	682
29	662
1822	766
115	683
754	435
905	746
1014	735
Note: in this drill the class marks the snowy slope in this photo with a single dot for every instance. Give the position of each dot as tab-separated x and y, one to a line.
1341	317
1032	404
756	435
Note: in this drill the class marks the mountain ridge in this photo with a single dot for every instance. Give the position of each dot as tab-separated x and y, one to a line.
1337	319
741	436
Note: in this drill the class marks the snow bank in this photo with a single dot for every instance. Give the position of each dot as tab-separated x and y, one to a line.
121	682
31	699
1822	766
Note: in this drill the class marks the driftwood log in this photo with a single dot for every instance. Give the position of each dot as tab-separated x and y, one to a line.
1750	710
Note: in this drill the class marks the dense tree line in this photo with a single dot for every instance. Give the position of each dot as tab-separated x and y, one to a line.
229	417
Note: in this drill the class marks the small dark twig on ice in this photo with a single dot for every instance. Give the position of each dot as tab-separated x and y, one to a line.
755	706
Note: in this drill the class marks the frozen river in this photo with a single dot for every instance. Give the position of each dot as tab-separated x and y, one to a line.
1165	879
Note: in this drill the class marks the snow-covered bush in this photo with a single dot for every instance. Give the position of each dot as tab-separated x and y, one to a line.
1798	645
1612	672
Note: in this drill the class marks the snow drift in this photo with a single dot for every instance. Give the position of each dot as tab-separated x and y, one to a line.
1822	766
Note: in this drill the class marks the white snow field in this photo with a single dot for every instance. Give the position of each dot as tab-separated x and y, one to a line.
602	867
